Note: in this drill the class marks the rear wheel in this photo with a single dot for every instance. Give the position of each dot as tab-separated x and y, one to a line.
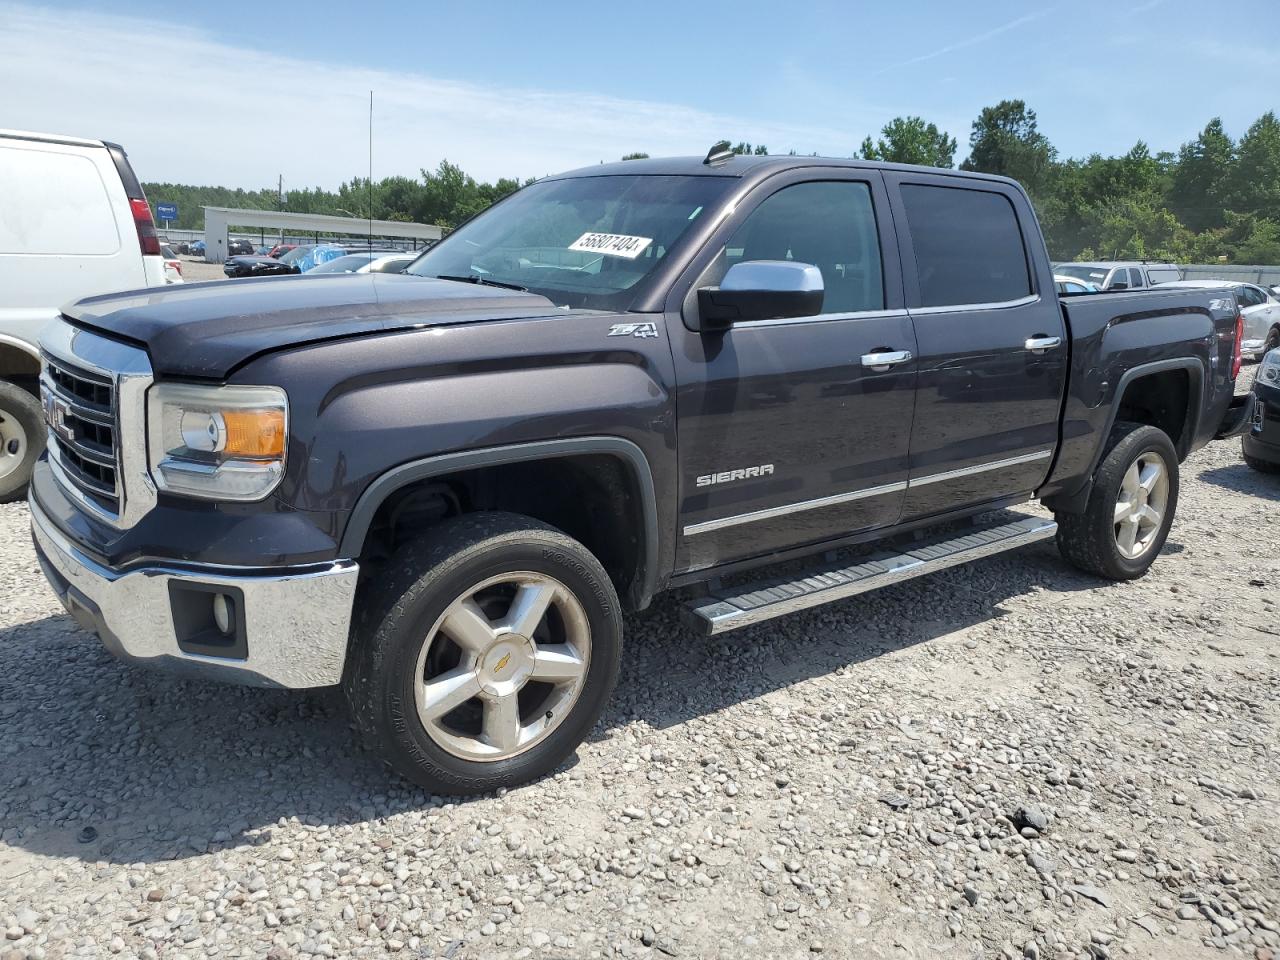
1130	509
486	656
21	439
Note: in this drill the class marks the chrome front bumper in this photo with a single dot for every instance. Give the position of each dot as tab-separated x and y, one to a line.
292	625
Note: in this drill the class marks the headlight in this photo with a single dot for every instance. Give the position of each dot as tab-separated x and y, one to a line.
1269	372
216	443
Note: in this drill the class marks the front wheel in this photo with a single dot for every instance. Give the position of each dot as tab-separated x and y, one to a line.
21	439
487	654
1130	509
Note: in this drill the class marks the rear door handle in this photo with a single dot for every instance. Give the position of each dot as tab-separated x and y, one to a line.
1043	344
884	359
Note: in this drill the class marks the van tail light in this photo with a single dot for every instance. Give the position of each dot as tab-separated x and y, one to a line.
147	238
1237	358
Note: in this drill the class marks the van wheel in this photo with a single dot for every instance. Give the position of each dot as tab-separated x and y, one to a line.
1130	509
486	655
21	439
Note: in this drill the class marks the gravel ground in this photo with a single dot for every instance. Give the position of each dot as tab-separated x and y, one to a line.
194	270
1009	759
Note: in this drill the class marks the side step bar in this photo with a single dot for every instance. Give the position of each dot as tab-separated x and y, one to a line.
740	606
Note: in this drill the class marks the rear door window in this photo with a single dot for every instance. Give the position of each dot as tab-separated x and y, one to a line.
1135	278
968	246
54	203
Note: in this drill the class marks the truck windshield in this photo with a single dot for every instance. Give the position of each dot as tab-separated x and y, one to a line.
581	242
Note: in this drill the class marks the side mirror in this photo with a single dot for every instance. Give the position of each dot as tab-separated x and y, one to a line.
761	290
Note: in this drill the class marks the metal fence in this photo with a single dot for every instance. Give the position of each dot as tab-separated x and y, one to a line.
1262	275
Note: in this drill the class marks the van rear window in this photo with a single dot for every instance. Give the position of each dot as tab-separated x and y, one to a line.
54	203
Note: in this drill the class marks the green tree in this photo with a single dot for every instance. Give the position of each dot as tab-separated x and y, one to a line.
1005	140
911	140
636	156
1198	187
759	150
1254	183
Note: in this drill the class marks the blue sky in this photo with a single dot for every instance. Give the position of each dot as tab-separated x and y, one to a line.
236	93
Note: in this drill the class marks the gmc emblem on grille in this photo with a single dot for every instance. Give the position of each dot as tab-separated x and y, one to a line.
57	412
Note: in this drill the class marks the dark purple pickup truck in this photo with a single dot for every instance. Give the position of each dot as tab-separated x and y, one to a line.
444	489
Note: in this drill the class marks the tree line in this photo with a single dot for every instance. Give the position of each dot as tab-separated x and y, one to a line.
1215	199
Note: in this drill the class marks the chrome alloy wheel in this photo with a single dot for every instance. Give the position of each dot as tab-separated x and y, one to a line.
503	666
1140	508
13	444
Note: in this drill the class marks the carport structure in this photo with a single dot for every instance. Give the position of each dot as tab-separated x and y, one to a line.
217	220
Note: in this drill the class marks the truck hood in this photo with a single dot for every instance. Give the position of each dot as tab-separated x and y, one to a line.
206	330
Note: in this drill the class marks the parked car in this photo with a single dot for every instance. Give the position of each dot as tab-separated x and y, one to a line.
280	249
172	265
1261	445
1071	285
375	261
1120	274
255	265
182	247
74	223
238	246
1261	311
197	248
622	380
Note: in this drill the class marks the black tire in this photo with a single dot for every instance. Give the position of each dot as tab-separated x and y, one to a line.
19	406
1088	540
396	614
1262	466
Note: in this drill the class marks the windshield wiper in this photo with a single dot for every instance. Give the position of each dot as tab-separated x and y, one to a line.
483	281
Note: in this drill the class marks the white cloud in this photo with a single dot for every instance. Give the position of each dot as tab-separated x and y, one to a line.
192	109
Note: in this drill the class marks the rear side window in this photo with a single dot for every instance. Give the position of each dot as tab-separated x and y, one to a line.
1249	296
54	203
968	246
830	224
1135	278
1163	275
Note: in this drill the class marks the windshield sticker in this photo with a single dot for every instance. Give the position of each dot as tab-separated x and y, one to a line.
611	244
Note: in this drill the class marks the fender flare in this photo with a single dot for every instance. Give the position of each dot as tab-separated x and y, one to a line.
396	478
1195	401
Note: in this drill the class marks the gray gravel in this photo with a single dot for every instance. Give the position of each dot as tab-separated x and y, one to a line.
1004	760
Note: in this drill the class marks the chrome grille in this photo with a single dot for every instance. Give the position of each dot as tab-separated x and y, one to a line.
80	408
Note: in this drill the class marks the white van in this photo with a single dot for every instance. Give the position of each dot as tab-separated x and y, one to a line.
73	223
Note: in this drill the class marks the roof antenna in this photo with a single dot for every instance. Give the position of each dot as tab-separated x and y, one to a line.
720	152
369	184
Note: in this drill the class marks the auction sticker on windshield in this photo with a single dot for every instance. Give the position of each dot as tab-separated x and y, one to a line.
611	244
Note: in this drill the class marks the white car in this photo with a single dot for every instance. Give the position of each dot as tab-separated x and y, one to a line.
73	223
1073	285
1261	311
1119	274
374	262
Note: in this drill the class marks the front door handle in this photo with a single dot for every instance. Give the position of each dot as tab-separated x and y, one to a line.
1043	344
884	359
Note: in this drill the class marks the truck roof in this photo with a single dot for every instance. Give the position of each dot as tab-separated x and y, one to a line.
742	165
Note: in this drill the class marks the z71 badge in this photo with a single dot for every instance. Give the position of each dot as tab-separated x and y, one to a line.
641	330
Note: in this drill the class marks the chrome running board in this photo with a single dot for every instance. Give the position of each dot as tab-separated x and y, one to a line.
740	606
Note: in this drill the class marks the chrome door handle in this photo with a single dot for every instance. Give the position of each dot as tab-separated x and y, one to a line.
1043	344
885	359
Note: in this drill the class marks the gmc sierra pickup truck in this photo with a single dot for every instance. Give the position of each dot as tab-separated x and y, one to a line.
444	489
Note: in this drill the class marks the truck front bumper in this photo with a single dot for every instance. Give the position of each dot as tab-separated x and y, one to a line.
282	627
